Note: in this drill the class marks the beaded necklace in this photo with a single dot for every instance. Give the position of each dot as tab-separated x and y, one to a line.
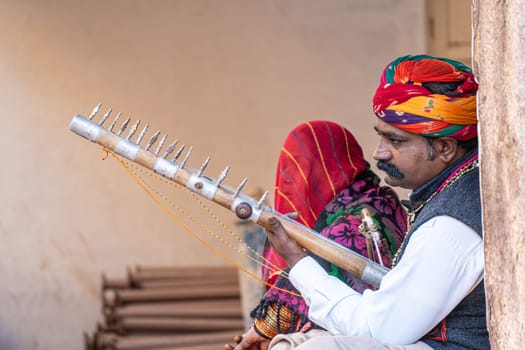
466	168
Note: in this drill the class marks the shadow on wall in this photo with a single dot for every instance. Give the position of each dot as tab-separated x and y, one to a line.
251	289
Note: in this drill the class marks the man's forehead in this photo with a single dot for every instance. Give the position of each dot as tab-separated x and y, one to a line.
384	128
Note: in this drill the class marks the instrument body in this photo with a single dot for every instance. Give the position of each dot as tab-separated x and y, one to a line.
244	206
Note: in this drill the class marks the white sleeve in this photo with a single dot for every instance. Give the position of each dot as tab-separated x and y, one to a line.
442	263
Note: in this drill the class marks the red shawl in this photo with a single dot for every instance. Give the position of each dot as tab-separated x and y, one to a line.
318	160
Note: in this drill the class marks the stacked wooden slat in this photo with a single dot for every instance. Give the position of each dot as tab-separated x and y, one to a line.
194	308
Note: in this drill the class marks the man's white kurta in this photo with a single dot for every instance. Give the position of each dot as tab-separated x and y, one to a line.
442	263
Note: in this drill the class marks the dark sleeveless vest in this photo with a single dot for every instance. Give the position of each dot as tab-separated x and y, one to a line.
465	327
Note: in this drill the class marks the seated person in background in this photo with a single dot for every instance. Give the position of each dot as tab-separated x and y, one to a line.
323	176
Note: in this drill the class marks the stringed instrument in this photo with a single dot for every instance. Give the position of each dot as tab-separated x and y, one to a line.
245	207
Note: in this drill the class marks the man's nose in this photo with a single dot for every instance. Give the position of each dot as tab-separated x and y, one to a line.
381	152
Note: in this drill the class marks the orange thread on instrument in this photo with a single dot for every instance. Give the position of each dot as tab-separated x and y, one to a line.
263	261
107	153
189	230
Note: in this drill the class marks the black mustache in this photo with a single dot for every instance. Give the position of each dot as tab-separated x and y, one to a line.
390	169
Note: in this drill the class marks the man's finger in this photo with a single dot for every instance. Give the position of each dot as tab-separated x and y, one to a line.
237	339
275	224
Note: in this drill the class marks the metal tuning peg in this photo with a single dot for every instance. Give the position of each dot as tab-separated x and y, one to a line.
152	140
110	129
177	154
294	215
261	201
223	175
123	126
243	209
203	167
170	149
240	187
185	160
133	130
161	143
142	134
105	117
95	111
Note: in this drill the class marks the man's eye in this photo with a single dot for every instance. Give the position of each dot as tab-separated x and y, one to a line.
396	141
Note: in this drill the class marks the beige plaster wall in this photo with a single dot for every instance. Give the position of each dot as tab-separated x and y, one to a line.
230	77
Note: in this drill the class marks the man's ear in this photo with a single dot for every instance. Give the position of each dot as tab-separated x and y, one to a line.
447	149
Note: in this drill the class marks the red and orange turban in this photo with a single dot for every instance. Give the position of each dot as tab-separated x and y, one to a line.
403	101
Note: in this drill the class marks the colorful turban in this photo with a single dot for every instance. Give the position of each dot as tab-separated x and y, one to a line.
403	101
318	159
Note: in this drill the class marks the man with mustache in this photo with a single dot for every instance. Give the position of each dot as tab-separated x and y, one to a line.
433	297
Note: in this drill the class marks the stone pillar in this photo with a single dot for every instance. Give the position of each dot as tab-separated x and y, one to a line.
499	63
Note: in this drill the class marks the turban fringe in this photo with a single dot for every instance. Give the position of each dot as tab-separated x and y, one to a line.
402	101
318	160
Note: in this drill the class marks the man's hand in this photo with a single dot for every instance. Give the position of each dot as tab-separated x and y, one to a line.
286	247
249	341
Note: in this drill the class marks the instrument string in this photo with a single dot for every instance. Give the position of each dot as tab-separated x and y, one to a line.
199	223
262	260
154	194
